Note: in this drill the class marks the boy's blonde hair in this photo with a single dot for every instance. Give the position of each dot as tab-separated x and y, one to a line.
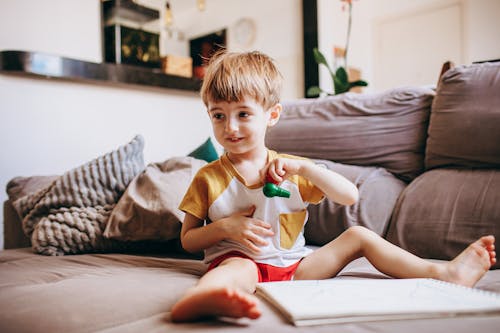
233	76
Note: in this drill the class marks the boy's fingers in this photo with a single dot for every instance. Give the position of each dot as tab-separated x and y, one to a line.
266	232
262	224
263	231
273	175
258	240
263	228
264	172
279	167
252	246
279	170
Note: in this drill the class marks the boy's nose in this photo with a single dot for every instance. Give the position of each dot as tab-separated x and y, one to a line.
231	125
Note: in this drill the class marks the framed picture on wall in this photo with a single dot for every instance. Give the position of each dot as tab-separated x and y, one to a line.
203	48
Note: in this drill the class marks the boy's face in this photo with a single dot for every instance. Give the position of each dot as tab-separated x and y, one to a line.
240	127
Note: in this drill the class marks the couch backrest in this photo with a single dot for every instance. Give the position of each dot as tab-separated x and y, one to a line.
385	129
464	128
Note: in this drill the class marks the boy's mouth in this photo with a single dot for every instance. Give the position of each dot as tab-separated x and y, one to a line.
234	139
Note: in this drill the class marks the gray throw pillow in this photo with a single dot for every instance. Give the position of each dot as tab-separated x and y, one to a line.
69	215
386	129
378	192
464	128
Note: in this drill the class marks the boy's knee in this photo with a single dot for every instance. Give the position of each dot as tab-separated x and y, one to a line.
358	231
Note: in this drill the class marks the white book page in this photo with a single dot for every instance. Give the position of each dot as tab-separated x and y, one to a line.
342	298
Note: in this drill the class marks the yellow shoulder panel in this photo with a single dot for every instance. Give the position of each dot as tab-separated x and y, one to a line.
206	186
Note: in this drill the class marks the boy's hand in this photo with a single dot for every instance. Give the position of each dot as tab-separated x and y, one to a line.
244	229
336	187
280	169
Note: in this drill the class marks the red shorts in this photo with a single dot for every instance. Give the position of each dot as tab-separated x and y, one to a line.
267	273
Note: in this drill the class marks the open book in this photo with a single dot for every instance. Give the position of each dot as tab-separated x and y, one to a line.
316	302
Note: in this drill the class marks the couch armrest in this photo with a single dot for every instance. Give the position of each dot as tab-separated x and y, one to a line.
446	66
13	234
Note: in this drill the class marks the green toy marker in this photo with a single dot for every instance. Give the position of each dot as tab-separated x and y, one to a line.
270	189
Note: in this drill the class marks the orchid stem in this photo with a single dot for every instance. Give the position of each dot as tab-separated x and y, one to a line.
348	34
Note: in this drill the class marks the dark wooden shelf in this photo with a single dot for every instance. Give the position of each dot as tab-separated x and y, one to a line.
51	66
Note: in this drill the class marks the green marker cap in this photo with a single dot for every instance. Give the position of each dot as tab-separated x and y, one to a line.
272	190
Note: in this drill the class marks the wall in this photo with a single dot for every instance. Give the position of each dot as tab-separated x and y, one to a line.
479	32
50	126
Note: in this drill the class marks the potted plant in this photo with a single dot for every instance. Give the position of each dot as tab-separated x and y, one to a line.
340	78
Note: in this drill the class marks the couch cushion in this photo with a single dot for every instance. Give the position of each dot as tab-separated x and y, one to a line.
378	192
115	293
444	210
149	207
464	128
19	187
386	129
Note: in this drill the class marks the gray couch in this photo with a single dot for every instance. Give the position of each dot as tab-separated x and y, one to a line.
426	162
429	180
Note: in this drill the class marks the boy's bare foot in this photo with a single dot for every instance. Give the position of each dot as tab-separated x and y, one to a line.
225	302
470	265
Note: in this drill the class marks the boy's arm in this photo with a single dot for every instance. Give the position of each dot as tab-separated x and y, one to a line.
336	187
240	227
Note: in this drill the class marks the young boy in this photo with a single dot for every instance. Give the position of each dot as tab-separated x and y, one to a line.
249	238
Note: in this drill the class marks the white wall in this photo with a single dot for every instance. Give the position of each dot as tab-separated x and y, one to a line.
480	26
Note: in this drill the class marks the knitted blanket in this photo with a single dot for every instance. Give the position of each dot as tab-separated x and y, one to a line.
69	215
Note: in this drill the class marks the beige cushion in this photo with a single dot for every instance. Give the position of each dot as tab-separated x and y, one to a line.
19	187
149	207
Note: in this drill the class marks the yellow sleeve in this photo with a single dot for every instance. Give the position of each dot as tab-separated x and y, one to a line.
195	201
309	192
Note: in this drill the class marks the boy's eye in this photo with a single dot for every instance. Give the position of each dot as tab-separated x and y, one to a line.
244	114
218	116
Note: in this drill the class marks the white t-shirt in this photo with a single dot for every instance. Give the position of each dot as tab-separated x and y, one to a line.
218	191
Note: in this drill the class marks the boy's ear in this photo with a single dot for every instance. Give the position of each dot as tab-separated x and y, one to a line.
274	114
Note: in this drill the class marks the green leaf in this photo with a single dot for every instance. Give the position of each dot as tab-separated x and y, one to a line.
337	84
341	74
314	91
321	60
358	83
319	57
340	78
341	89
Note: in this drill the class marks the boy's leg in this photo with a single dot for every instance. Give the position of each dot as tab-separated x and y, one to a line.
225	290
466	269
